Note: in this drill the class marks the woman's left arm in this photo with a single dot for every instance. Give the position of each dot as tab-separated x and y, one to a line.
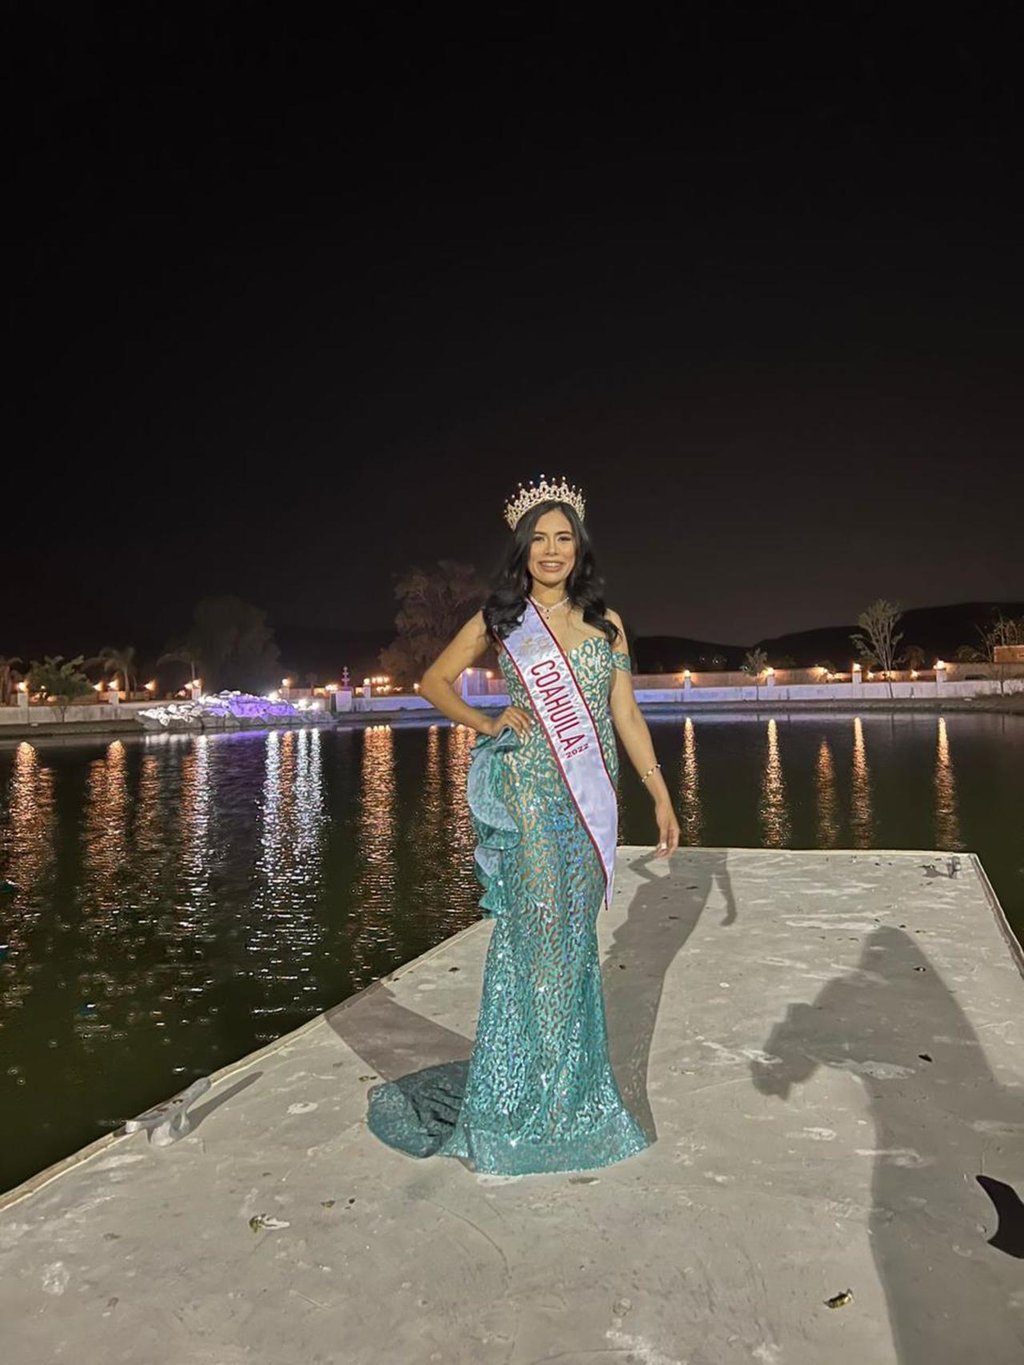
636	740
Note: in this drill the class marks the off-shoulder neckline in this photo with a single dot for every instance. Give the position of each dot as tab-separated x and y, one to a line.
579	645
586	641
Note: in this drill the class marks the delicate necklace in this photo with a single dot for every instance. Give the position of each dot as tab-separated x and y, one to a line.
548	610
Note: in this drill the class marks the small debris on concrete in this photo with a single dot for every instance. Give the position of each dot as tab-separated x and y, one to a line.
840	1300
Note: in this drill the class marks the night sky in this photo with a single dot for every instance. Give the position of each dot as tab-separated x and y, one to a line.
296	301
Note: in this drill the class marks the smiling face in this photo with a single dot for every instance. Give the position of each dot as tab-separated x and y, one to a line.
552	551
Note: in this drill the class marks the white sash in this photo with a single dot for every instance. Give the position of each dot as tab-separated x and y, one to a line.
568	724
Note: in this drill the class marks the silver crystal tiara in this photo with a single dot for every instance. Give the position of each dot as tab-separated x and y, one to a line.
543	492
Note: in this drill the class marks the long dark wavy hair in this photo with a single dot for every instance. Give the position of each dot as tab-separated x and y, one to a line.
510	584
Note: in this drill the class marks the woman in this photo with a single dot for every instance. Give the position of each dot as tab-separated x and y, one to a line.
538	1093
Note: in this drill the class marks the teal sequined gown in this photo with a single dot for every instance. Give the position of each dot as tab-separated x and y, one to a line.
538	1092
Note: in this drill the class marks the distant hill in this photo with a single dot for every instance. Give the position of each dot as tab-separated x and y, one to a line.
672	653
938	630
324	651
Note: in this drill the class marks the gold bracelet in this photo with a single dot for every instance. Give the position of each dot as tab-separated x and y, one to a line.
649	771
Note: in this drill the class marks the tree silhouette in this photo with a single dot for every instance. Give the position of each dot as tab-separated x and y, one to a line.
879	644
880	639
755	661
914	657
60	680
182	652
434	603
232	644
1003	630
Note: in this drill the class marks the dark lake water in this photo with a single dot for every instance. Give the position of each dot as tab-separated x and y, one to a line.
184	900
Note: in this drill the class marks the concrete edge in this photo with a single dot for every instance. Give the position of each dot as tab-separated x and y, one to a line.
999	915
990	703
67	1163
102	1145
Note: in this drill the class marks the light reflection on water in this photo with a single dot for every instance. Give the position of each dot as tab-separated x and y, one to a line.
690	818
183	899
28	833
461	840
430	815
775	826
195	815
27	843
284	934
828	808
148	810
373	927
947	825
861	818
106	830
437	819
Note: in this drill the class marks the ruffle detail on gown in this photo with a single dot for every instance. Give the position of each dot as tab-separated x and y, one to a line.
495	829
538	1093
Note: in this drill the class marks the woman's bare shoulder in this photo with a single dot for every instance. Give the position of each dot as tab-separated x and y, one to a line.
620	638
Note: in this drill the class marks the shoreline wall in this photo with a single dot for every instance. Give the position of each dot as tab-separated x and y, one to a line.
20	721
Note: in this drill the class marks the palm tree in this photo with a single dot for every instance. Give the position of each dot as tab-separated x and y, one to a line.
7	671
184	652
115	661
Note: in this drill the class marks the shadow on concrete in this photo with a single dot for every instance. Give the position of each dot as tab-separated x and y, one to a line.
420	1068
392	1039
941	1119
663	913
198	1113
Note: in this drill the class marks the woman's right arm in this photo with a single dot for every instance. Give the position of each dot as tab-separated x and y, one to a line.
438	682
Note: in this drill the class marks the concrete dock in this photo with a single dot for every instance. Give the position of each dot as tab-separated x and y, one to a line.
828	1048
